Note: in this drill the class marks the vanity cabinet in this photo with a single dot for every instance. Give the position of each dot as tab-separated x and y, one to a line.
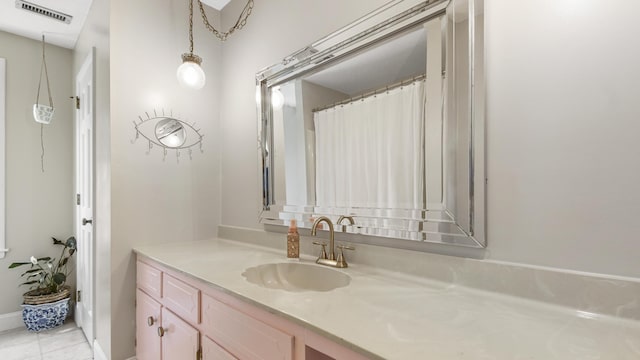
181	318
161	334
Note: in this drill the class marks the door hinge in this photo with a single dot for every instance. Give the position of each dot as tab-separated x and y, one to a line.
77	101
77	199
79	296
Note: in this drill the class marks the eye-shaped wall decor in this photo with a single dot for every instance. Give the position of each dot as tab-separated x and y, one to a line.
169	133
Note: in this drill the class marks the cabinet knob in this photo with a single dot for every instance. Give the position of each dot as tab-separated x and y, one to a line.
161	331
151	321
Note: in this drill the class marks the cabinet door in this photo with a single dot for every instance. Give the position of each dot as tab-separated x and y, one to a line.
212	351
242	335
147	322
180	340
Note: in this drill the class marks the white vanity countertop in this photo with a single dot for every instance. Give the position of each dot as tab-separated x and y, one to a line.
399	316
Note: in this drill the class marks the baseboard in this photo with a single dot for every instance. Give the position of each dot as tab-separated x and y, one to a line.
98	354
11	321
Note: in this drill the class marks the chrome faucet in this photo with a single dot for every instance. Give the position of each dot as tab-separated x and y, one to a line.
329	259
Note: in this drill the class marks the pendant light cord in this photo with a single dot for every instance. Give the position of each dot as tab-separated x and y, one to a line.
240	23
191	27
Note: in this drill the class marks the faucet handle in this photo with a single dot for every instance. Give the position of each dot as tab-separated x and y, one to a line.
341	262
323	253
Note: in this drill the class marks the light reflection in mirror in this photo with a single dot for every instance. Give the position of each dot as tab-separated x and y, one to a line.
170	133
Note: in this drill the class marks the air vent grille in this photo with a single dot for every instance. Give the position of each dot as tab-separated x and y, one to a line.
41	10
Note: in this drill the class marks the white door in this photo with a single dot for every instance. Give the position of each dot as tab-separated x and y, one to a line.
84	314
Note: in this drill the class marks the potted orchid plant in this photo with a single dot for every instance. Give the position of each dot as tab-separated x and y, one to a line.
46	304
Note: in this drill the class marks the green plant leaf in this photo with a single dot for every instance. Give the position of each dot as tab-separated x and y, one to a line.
63	262
16	264
57	242
71	251
46	258
30	282
59	278
33	272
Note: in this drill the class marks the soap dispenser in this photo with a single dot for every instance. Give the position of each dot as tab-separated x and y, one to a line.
293	241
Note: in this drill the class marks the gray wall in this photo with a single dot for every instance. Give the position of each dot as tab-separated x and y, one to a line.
38	205
562	124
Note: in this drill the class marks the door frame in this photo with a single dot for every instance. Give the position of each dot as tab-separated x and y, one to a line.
90	61
3	110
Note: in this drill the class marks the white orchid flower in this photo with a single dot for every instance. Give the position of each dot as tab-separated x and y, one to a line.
49	265
34	261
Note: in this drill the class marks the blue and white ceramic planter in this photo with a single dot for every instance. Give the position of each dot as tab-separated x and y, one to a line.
45	316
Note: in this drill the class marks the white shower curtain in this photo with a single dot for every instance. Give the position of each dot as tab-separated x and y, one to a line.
369	153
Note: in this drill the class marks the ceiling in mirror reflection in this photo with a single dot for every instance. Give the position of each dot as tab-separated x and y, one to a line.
399	59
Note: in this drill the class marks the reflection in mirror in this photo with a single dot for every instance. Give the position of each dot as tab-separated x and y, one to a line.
381	121
170	133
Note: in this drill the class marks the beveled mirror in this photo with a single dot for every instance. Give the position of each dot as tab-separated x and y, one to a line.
382	121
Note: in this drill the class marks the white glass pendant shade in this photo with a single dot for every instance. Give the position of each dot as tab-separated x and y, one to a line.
190	74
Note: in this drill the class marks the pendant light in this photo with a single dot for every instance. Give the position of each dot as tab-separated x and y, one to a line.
190	74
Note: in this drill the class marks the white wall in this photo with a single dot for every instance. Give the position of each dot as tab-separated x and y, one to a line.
156	201
562	123
38	205
95	33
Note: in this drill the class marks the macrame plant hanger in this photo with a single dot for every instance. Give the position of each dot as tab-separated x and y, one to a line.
43	113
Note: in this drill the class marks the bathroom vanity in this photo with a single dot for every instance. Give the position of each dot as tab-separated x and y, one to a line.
197	294
179	316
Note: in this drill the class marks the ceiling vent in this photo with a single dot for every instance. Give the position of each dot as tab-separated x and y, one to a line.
41	10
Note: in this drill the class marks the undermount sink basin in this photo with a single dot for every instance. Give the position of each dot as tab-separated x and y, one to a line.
296	277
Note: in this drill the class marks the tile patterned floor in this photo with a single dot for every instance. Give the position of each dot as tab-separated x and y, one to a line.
66	342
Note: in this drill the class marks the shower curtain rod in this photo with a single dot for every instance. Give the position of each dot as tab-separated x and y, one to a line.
374	92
